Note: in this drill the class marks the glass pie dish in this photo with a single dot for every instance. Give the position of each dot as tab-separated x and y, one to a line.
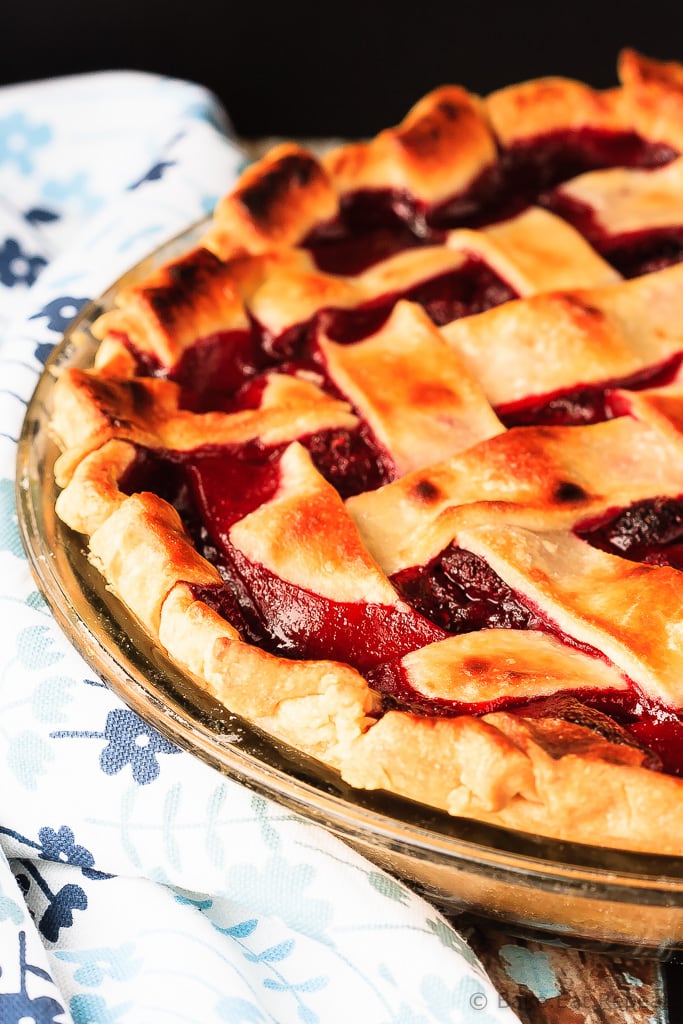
556	891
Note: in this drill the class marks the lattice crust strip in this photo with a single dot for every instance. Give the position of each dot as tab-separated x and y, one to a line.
370	503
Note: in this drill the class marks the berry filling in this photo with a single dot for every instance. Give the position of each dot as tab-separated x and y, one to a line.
649	531
460	593
631	253
589	403
288	619
456	592
376	223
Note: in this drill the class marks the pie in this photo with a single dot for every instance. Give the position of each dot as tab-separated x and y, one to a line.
391	462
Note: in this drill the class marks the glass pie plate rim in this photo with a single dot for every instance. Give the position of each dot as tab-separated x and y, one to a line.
413	840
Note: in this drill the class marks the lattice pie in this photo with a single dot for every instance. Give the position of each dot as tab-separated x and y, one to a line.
392	461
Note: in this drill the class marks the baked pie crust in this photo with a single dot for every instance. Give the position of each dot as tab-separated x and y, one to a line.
392	462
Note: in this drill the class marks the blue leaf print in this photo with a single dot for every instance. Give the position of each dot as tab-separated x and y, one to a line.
9	533
19	138
28	756
133	742
388	887
16	1007
96	965
59	914
10	911
155	173
35	647
283	889
16	266
60	312
273	954
241	930
38	215
91	1009
50	698
312	985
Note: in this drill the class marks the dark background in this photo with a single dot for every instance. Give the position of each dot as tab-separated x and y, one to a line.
305	68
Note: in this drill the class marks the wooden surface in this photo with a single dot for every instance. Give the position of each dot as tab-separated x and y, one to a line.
546	984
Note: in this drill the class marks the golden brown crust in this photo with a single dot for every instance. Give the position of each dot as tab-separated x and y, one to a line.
305	536
439	149
412	390
91	410
629	611
277	202
319	707
548	777
143	551
563	475
539	107
494	665
653	92
425	398
561	339
189	299
624	200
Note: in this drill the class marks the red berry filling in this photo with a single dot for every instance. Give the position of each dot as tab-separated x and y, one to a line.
589	403
631	253
649	531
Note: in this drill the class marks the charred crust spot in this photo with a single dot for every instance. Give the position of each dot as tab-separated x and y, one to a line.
476	666
451	111
579	309
164	304
187	279
140	397
295	171
567	492
187	272
426	492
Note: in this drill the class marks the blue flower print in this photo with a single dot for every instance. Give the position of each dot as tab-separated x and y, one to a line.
39	215
155	173
60	312
59	913
133	742
19	1006
16	266
19	139
61	846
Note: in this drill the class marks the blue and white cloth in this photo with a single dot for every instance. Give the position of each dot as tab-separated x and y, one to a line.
136	883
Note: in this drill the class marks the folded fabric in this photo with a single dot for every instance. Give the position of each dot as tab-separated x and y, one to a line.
137	883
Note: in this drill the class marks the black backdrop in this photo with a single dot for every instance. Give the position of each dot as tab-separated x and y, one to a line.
299	67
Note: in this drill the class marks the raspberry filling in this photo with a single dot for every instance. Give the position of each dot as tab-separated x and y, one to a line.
288	619
588	403
648	531
376	223
460	592
456	592
631	253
